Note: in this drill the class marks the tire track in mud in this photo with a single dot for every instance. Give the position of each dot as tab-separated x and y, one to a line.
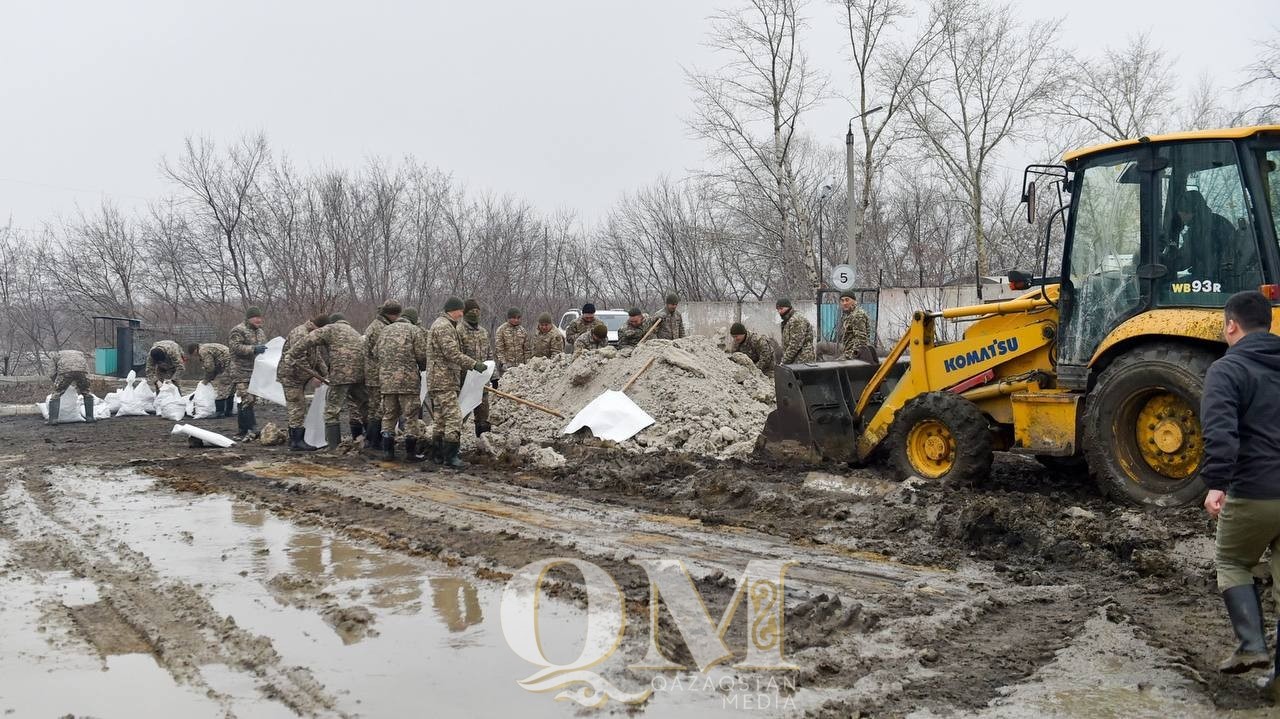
183	631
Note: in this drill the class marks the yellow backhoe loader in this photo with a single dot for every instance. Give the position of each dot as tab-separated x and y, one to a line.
1102	366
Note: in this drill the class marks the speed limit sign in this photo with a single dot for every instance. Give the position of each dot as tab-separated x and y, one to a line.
842	277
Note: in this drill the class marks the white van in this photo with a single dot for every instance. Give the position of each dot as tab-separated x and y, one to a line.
613	319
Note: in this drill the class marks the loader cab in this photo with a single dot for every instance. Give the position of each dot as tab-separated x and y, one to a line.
1176	221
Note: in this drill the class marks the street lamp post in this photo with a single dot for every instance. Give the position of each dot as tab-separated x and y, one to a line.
822	201
853	221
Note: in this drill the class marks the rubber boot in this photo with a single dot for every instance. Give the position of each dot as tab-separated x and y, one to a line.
451	458
242	425
1246	619
411	450
88	408
388	446
297	440
55	409
437	450
219	407
332	435
357	430
229	406
482	427
253	423
373	435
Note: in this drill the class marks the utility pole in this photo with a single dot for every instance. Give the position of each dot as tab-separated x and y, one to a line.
853	220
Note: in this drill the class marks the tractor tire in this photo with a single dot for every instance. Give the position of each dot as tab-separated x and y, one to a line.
1142	433
941	436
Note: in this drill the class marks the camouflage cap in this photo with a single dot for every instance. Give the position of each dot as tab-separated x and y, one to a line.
737	328
544	318
453	304
411	314
673	299
471	304
599	330
782	302
850	294
634	312
252	312
514	312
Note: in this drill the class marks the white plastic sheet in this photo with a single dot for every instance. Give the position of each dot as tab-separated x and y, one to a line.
203	401
472	393
422	387
263	380
169	402
314	421
611	416
203	435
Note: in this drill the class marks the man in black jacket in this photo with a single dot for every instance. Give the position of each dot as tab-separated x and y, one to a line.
1241	468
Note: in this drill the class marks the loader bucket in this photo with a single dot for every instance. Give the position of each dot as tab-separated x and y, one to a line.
814	419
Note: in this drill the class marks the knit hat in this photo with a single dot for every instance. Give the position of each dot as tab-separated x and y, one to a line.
252	312
782	302
673	299
320	320
390	307
544	318
737	328
471	304
336	317
634	312
599	330
850	294
588	309
453	304
513	313
411	314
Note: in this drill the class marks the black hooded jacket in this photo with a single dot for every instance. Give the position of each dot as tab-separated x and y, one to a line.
1240	413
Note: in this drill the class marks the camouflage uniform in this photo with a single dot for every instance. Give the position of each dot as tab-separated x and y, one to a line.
672	327
447	359
546	344
401	352
855	333
291	375
588	341
371	408
346	363
760	350
579	327
244	337
797	339
70	368
215	360
629	335
167	370
513	346
474	340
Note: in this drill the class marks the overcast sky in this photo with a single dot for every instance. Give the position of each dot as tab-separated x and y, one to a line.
567	103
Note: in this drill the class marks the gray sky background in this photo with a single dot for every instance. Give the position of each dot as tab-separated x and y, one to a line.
567	103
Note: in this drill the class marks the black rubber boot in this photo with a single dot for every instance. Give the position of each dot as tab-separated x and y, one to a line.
482	427
88	408
229	406
411	450
437	450
373	435
243	425
451	458
332	435
297	440
55	409
219	407
357	430
1245	611
388	446
253	423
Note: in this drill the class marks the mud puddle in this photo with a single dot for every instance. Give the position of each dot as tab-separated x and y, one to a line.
120	598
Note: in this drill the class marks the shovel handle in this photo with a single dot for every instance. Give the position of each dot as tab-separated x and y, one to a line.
523	401
643	369
657	321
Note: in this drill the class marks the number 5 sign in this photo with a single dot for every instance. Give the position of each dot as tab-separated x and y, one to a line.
842	277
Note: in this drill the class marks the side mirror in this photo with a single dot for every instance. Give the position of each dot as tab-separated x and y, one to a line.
1029	197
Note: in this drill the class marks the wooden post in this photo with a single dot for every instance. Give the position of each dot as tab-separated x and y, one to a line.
523	401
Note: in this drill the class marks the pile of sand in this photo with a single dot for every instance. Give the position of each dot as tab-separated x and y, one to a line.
702	401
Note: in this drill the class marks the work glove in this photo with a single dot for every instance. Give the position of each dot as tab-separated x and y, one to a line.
480	367
259	349
494	382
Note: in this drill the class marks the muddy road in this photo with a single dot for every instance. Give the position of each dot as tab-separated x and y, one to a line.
139	577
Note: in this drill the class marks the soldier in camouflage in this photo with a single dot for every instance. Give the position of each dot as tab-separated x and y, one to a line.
164	362
70	368
401	355
547	341
447	360
671	325
512	343
757	347
595	339
630	333
855	330
475	344
294	374
248	340
370	410
346	369
215	360
797	335
584	323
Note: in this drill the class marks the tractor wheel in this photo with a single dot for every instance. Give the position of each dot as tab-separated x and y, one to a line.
941	436
1142	432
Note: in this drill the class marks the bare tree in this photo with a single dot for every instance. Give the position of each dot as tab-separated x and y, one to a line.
101	267
991	74
1123	94
749	111
1263	76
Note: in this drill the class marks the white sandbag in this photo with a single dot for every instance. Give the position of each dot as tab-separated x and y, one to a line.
314	421
263	380
100	408
203	402
611	416
472	393
70	409
136	397
110	403
169	402
203	435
